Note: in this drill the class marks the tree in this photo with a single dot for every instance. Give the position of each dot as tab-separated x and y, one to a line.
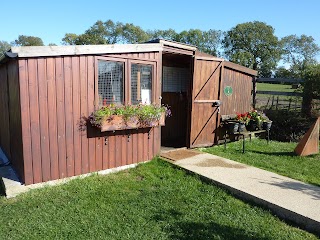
108	32
282	72
133	34
28	41
253	45
206	41
169	34
4	46
311	90
299	52
70	39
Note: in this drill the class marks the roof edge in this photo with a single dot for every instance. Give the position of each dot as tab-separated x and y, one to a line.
175	44
71	50
7	55
240	68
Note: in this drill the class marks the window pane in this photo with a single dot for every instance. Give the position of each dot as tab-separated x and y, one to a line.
110	82
141	84
175	79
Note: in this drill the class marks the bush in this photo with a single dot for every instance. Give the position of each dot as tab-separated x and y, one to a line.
288	126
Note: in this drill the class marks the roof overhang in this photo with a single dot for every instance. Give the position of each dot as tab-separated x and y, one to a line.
169	43
7	56
173	47
46	51
240	68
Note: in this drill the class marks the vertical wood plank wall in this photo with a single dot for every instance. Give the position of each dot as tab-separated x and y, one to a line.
204	116
4	109
241	99
55	93
10	115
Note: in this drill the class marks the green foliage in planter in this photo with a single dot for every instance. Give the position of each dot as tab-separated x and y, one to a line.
149	113
128	112
98	116
146	114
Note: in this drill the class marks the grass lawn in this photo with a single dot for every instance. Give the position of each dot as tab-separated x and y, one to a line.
277	157
153	201
274	87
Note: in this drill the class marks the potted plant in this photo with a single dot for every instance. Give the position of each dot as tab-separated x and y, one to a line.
243	119
130	117
258	120
151	115
255	120
232	126
266	122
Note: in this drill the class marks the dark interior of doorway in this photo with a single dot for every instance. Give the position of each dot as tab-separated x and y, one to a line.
176	86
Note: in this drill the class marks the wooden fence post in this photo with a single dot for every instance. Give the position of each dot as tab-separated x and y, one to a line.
289	104
267	103
254	92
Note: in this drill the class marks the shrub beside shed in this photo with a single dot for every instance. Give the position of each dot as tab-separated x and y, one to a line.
47	91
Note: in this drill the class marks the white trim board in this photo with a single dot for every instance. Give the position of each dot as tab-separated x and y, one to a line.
43	51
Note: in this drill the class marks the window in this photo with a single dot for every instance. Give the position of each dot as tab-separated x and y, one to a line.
122	80
110	82
175	79
141	84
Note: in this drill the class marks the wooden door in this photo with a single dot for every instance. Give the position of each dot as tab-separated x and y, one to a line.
205	92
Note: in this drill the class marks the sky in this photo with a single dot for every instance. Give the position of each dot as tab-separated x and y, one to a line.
52	19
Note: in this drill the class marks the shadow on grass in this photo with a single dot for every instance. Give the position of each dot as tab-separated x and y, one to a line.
289	154
2	193
186	230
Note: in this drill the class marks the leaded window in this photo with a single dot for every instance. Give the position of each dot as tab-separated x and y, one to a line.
141	84
110	82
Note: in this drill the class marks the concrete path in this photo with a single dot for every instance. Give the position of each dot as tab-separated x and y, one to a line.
291	200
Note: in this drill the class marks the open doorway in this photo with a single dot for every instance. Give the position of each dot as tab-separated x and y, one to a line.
176	92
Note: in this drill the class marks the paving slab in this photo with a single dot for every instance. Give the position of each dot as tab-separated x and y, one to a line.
290	199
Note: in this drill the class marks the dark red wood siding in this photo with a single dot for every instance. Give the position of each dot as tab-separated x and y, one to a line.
4	109
10	117
205	90
241	99
56	93
44	100
210	79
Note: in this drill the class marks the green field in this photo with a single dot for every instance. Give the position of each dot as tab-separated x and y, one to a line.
274	87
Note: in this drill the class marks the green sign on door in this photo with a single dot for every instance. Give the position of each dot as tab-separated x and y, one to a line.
228	91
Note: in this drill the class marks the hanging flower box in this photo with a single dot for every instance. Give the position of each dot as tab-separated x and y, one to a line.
112	118
116	122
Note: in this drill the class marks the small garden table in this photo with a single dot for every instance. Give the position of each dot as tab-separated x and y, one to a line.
246	134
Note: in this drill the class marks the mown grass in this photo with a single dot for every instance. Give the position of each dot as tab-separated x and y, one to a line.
274	87
153	201
276	156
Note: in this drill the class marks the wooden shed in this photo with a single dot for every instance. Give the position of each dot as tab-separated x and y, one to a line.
46	91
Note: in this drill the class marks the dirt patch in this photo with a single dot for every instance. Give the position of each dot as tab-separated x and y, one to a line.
219	163
179	154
